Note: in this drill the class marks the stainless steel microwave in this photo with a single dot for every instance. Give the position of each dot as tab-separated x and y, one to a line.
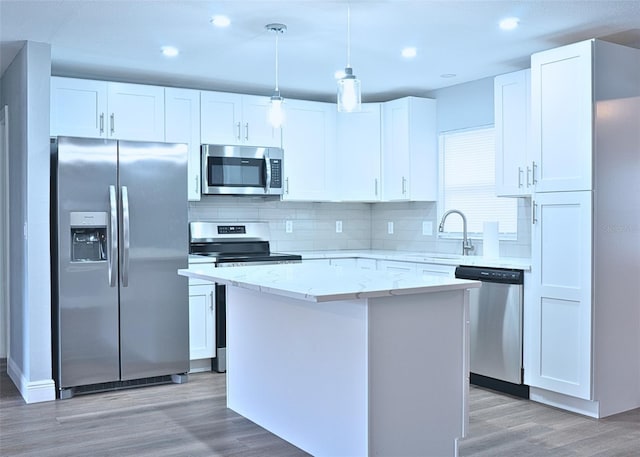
241	170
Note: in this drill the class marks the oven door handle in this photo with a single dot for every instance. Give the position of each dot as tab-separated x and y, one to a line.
267	173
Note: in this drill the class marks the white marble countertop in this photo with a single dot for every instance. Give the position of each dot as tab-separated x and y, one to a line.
322	283
420	257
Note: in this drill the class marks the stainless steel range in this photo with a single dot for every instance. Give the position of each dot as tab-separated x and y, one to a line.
230	244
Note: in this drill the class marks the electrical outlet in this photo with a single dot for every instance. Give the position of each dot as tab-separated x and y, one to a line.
390	228
288	226
338	226
427	228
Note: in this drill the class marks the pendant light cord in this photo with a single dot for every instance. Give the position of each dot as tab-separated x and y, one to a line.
277	32
348	35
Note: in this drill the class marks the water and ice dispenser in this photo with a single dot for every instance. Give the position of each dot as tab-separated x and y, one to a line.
89	236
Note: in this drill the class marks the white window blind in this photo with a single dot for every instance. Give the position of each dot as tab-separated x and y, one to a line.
467	160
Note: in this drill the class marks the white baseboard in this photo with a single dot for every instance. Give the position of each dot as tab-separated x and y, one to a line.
31	391
199	365
573	404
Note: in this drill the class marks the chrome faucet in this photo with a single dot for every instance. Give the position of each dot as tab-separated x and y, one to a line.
466	243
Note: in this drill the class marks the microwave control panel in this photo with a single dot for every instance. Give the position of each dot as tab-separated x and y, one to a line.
276	173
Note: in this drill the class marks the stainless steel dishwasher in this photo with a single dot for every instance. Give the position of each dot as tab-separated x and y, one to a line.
495	312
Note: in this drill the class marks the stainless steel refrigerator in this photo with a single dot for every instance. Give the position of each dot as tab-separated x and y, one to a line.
119	235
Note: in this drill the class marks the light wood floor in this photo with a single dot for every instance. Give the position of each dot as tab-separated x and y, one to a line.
191	420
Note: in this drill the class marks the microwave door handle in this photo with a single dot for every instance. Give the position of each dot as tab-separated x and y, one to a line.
267	172
113	236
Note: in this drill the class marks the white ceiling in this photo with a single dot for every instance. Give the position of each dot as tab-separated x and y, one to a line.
121	40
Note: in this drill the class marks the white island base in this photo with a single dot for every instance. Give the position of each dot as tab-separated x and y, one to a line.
338	376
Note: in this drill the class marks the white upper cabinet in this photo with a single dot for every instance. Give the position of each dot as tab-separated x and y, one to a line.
409	150
78	107
309	143
99	109
358	151
182	125
514	166
136	112
562	117
227	118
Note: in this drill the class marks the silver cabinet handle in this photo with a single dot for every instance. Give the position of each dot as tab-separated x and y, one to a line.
101	123
238	135
286	186
197	181
528	176
376	186
113	236
534	218
125	236
246	130
113	123
404	185
519	177
534	167
211	299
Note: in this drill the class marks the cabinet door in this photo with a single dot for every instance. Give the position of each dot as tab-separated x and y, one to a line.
136	112
78	107
395	150
182	125
394	266
359	148
512	107
308	139
431	269
220	118
201	321
409	150
562	113
559	328
256	129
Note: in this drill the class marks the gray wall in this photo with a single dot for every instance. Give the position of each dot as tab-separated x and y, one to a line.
25	89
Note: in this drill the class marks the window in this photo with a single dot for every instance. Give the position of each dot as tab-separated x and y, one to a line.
467	172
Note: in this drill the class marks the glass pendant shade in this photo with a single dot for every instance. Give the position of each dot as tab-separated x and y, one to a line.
349	93
276	110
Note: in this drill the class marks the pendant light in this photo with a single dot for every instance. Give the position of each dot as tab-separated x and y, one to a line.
349	94
276	111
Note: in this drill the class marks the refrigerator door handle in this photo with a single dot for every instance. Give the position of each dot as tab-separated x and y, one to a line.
113	236
125	236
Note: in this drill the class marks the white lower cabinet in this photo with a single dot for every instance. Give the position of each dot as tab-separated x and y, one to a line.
560	318
432	269
395	266
202	321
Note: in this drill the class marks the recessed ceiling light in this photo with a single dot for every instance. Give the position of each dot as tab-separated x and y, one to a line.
169	51
448	75
409	52
220	21
509	23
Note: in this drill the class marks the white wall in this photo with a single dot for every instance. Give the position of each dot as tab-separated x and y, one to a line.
25	89
314	224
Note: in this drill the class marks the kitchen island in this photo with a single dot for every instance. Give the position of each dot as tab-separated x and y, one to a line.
347	362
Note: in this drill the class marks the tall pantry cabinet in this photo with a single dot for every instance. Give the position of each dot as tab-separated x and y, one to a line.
582	333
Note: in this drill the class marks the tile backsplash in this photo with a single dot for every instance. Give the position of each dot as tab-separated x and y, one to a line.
364	225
